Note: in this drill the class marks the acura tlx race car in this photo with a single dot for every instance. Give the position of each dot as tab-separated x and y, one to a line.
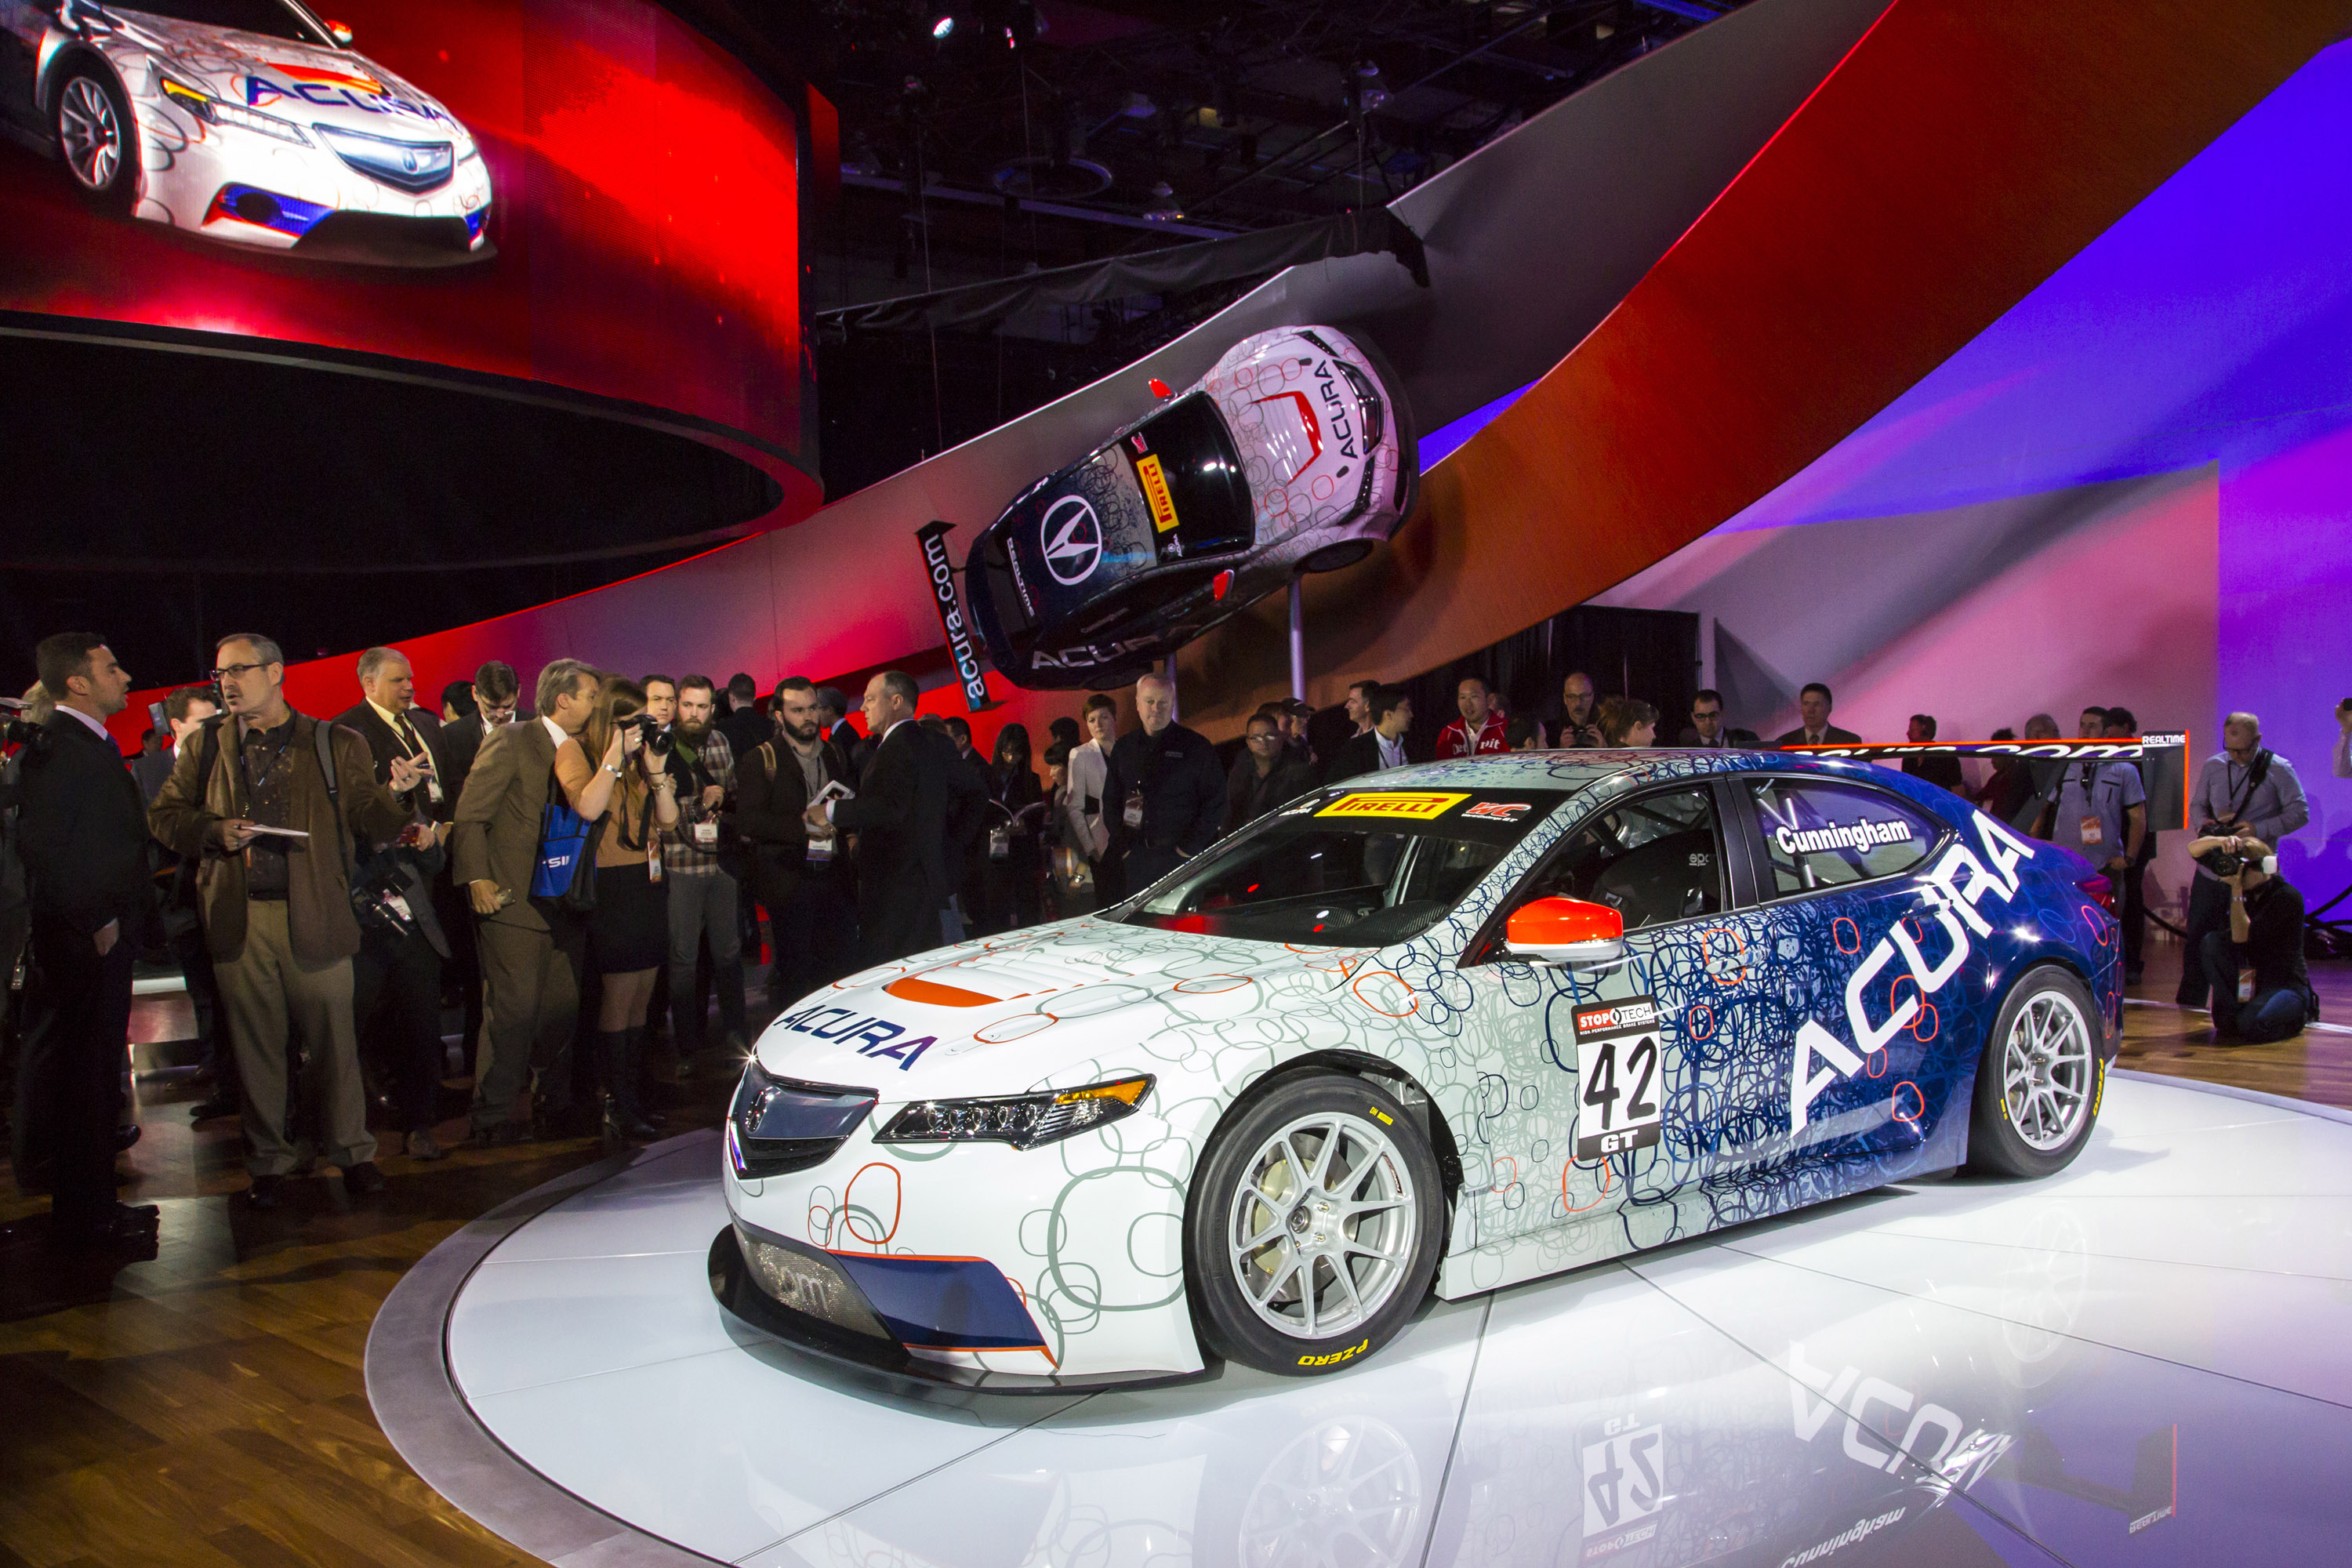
1295	453
1447	1027
245	121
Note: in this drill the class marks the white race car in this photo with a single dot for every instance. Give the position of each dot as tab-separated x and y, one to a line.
1295	453
247	121
1449	1027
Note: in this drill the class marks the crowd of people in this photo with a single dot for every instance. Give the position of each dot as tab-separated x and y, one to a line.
585	876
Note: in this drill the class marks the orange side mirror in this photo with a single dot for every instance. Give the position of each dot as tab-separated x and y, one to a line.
1565	930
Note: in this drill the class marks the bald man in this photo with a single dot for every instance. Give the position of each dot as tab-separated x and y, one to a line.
1165	795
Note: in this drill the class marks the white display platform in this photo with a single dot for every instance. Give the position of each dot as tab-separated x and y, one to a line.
2146	1360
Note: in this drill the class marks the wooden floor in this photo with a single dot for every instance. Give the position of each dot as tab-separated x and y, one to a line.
206	1407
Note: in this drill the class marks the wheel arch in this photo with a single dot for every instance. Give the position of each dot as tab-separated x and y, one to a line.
77	52
2065	965
1409	1090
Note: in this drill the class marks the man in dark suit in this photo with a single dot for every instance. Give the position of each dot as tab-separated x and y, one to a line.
1382	746
832	709
1164	797
743	724
396	975
1941	769
498	702
83	838
1707	730
1813	703
531	947
913	800
498	697
801	879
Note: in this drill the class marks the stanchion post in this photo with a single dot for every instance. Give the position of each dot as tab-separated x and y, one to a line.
1297	641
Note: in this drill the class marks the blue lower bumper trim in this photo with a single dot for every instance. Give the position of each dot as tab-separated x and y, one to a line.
944	1304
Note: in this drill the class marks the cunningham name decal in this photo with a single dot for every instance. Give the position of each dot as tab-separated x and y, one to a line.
1864	834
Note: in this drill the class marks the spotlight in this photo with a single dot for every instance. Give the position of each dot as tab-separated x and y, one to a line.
1164	208
942	28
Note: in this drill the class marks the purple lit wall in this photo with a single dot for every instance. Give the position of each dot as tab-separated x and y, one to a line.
2135	487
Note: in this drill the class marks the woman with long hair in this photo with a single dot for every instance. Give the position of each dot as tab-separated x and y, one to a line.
1015	858
631	788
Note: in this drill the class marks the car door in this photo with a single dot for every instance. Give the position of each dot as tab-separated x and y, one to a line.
1857	984
1597	1092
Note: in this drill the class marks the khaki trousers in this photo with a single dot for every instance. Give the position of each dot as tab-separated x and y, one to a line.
270	993
531	999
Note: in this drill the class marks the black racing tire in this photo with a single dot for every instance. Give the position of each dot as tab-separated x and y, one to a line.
1391	1252
96	136
2039	1078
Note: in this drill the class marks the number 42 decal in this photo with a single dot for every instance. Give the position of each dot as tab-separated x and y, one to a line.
1618	1096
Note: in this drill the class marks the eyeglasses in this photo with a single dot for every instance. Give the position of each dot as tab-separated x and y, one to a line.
497	715
1269	735
237	669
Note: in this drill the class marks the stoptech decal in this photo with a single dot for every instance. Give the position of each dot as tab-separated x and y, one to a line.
1155	491
1618	1103
1951	894
868	1035
1410	806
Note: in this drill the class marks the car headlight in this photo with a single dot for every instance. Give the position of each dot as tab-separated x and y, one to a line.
1023	1121
220	111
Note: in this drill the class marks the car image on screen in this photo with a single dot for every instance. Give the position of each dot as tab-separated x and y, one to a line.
1437	1030
245	121
1295	453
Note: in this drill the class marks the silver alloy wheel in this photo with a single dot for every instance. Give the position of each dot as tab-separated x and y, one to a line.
2046	1071
91	133
1322	1228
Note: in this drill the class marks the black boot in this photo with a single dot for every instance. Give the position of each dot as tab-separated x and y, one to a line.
633	1071
621	1121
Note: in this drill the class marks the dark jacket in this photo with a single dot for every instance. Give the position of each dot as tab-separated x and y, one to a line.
1249	797
1831	736
499	817
461	742
1183	789
1360	755
914	800
318	896
82	833
1733	739
853	747
1941	769
745	727
771	795
385	745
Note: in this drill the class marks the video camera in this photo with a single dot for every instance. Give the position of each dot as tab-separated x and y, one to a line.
15	729
656	738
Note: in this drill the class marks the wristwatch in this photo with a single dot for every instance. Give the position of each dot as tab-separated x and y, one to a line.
611	770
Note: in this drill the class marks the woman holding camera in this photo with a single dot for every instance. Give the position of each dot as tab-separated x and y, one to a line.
631	789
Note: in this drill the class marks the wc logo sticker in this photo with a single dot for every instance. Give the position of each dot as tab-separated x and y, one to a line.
1618	1103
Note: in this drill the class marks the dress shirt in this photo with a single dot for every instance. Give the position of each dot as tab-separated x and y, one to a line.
1391	751
97	726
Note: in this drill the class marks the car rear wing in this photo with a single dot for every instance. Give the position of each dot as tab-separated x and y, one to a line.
2162	756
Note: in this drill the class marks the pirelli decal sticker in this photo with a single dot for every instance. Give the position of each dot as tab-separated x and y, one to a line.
1401	804
1618	1094
1155	491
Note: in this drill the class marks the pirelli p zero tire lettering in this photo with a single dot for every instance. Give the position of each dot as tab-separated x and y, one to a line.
96	136
2038	1080
1314	1226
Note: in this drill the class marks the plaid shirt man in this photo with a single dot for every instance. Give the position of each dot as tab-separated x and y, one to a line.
681	856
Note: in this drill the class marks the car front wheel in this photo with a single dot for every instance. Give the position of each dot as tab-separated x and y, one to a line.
97	137
2040	1079
1314	1226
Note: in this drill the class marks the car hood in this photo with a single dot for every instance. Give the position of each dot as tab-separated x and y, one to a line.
1052	1007
305	83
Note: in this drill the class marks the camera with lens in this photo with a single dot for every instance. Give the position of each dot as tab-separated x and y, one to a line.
2221	861
15	729
656	738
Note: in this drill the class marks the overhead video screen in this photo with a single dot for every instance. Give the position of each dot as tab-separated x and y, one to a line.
587	192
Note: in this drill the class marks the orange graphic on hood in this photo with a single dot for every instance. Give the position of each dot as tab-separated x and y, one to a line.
330	77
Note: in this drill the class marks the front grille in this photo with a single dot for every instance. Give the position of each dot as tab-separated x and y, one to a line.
777	1125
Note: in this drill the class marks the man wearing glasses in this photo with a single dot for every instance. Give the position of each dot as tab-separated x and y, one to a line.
251	797
497	698
1706	729
1266	775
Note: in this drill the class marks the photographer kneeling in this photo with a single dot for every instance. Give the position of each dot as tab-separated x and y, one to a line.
2265	933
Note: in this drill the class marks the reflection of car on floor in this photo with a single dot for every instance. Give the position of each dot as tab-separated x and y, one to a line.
1453	1026
247	120
1294	454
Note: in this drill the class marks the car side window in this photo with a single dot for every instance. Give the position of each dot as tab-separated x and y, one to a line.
1820	835
1654	858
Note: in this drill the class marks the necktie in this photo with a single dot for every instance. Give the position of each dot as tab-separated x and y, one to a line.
407	733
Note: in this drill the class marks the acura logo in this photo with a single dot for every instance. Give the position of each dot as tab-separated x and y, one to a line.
1072	537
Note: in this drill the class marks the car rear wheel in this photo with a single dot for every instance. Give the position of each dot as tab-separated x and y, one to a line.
2040	1079
1314	1226
97	137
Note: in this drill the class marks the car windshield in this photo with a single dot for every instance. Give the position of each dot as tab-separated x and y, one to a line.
1375	866
270	18
1192	480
